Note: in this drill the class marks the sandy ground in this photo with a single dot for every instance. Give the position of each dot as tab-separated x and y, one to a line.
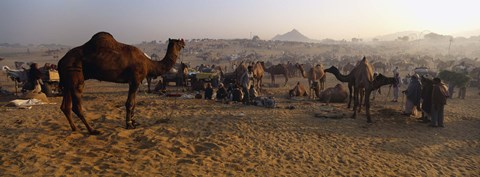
205	138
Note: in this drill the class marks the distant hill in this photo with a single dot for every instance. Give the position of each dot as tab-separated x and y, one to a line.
468	34
293	35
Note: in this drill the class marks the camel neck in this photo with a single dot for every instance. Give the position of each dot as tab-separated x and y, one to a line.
340	77
166	64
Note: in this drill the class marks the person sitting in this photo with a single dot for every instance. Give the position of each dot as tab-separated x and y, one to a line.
237	94
208	91
221	93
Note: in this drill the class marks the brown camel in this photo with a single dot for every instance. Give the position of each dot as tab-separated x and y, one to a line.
105	59
336	94
349	78
314	75
277	70
363	74
298	90
258	72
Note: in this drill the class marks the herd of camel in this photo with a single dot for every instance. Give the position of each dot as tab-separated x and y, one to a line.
105	59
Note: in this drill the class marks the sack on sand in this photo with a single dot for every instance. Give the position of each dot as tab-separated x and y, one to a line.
268	102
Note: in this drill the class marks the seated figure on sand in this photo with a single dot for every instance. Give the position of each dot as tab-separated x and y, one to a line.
222	93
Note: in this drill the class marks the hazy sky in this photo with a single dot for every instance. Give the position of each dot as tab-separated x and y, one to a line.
73	22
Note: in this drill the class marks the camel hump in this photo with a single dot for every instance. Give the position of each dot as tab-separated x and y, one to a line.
364	59
102	40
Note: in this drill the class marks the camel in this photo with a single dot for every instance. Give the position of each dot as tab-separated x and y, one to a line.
298	90
277	70
105	59
336	94
350	79
363	74
258	72
314	75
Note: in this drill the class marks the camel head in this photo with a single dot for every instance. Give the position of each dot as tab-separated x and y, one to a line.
176	43
381	80
332	69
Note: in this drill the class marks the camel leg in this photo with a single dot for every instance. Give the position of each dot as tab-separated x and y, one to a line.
367	104
66	107
362	94
149	81
286	80
322	85
356	102
350	95
77	107
130	105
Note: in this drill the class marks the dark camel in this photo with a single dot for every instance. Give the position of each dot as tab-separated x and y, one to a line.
363	74
277	70
105	59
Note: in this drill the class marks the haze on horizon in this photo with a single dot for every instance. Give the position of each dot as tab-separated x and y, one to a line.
73	22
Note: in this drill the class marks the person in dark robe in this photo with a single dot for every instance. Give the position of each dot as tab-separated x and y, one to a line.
439	100
426	99
208	91
222	93
413	94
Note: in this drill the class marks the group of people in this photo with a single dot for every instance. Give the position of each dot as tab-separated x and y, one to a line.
244	92
427	96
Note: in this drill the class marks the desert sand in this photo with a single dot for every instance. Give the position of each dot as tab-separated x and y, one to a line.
192	137
206	138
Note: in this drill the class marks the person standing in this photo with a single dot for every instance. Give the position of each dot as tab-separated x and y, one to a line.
246	80
395	71
427	86
439	100
413	93
396	87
